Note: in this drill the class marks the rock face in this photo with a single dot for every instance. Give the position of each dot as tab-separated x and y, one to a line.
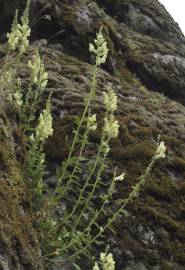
18	243
141	34
146	68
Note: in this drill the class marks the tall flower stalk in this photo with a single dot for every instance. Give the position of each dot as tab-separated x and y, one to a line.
100	51
77	229
18	38
36	87
34	168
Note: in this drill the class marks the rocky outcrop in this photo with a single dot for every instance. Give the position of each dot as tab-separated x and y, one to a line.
147	53
153	232
140	33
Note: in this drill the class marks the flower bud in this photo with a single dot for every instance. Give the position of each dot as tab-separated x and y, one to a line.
120	177
96	267
44	128
107	261
110	100
91	123
111	127
160	152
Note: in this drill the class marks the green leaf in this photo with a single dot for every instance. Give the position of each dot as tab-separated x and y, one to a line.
112	230
77	267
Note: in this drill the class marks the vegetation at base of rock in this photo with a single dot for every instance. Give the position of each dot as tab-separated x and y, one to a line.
16	228
141	129
57	237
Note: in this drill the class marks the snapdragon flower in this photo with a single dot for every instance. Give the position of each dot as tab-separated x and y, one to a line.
24	34
44	128
111	127
13	36
99	49
91	123
20	33
107	261
160	152
96	267
106	147
24	30
120	177
39	76
110	100
18	98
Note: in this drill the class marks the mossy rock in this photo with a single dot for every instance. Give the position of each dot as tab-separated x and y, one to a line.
145	55
19	245
143	115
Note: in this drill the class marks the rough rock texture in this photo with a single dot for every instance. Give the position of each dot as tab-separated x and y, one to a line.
147	52
18	244
154	232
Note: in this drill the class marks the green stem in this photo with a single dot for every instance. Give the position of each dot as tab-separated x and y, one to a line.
132	195
103	204
90	195
82	249
93	87
116	214
72	174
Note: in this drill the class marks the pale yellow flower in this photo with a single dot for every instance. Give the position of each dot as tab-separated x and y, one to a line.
120	177
100	48
44	128
91	123
20	33
96	267
110	100
39	76
111	127
18	98
160	152
107	261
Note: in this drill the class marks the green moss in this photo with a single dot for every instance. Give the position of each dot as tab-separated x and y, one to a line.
144	151
57	146
178	163
160	202
16	231
161	199
167	265
13	224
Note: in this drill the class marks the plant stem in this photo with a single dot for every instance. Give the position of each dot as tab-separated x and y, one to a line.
92	91
90	195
